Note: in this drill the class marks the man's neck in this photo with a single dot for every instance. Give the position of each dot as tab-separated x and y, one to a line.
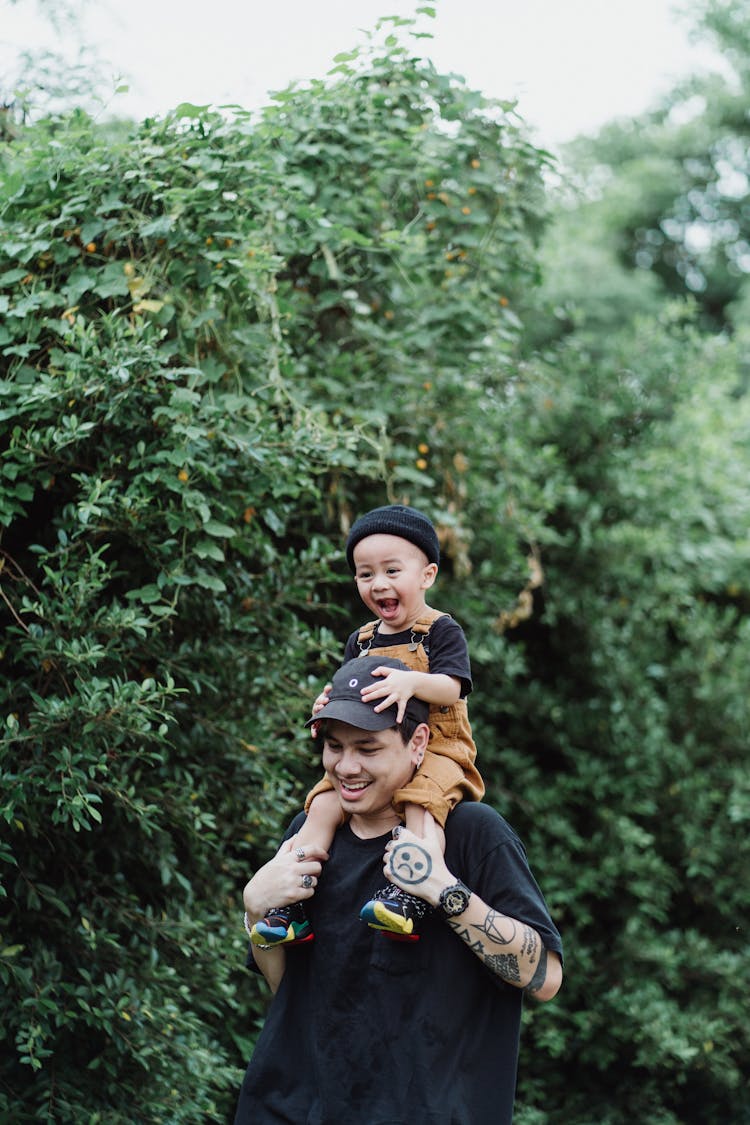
368	828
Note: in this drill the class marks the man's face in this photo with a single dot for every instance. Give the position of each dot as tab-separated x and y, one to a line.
367	767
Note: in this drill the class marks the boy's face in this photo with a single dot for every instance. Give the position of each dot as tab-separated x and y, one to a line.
392	575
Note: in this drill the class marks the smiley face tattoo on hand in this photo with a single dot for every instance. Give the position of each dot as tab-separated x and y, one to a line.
409	863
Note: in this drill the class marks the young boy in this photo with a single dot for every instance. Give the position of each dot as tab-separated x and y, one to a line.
394	554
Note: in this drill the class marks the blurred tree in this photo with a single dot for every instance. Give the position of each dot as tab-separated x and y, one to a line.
670	189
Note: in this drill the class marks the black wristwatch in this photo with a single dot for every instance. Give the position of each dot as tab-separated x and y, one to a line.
454	899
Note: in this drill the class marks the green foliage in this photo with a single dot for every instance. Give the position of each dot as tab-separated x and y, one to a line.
636	700
222	338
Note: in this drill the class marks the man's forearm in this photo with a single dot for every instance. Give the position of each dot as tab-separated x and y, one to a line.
511	949
271	962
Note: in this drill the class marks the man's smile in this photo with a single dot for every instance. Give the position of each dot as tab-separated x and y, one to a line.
352	789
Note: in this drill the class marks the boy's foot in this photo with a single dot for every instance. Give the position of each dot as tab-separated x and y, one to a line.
395	912
284	925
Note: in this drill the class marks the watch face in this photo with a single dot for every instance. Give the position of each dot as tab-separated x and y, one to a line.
454	900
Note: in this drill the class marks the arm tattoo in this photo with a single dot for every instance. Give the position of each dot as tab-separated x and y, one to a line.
491	928
505	965
530	943
499	930
540	975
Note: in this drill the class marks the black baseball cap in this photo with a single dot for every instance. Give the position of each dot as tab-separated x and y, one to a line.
345	700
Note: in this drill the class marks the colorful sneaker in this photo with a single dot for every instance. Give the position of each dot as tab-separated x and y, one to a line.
396	913
284	925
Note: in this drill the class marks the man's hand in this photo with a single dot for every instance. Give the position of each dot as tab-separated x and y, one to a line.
284	879
416	863
396	686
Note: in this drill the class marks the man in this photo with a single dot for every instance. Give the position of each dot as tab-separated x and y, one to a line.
375	1031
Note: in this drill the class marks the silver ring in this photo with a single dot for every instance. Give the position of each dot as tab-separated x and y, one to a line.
307	880
300	853
396	832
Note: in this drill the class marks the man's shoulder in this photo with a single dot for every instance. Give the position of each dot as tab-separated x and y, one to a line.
478	818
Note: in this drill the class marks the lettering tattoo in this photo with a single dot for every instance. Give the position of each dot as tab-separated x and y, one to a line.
530	944
540	975
410	864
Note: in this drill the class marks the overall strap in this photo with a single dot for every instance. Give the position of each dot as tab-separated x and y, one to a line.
419	631
364	638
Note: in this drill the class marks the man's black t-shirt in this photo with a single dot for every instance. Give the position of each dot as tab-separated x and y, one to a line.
377	1032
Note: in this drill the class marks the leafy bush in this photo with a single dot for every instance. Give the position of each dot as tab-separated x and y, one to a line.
222	338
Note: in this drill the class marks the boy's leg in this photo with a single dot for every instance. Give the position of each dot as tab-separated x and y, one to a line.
392	910
443	779
414	816
324	816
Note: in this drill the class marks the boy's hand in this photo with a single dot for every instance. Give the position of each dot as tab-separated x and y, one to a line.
322	699
318	705
397	686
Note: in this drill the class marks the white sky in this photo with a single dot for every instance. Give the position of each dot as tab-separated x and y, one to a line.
572	66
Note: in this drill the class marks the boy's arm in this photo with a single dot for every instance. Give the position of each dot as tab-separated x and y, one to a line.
399	685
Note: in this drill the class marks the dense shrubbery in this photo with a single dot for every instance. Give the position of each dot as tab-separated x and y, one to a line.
222	339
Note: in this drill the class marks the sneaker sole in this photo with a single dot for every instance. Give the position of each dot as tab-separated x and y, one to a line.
378	917
290	937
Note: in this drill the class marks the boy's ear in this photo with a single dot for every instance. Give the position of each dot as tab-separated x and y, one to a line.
429	575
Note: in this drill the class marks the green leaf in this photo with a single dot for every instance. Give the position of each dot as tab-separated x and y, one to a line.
219	530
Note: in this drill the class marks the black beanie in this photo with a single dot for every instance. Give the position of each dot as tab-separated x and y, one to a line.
395	519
